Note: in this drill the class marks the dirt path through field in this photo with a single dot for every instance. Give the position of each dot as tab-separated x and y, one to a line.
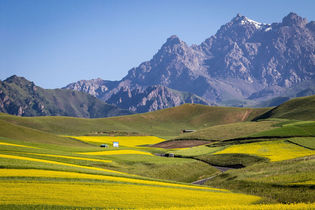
245	115
203	181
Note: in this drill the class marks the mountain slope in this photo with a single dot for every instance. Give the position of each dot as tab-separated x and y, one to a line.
21	97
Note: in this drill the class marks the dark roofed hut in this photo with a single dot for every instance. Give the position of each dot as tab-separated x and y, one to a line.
187	131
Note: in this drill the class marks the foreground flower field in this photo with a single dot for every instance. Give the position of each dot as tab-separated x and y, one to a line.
113	195
45	178
42	187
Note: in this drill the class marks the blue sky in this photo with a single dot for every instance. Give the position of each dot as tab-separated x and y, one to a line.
56	42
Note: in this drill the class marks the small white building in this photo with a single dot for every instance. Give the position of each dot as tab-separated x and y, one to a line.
115	144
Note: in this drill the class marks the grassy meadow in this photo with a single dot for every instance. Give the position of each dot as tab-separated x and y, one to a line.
57	162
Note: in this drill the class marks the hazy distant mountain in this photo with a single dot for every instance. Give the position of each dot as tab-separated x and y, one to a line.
243	63
21	97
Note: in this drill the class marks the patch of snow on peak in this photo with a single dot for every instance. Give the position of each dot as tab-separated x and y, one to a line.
255	23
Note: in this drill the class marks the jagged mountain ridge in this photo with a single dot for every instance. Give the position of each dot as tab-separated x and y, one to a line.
18	96
244	61
95	87
152	98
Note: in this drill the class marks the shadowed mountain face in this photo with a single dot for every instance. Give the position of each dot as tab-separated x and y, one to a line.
21	97
244	61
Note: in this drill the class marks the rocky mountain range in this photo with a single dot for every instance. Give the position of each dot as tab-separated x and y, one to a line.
243	64
21	97
152	98
136	98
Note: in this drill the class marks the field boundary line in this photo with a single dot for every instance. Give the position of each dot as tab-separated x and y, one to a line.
299	145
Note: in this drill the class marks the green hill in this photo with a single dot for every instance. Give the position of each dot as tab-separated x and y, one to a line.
228	131
164	123
33	136
302	108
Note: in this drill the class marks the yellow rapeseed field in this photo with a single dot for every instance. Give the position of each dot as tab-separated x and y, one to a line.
128	141
16	145
113	195
58	163
274	150
118	195
117	152
75	175
248	207
72	157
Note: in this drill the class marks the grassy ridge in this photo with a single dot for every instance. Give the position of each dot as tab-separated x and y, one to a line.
165	123
299	109
229	131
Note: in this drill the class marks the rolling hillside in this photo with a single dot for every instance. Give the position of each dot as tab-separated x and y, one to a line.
164	123
34	136
283	120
